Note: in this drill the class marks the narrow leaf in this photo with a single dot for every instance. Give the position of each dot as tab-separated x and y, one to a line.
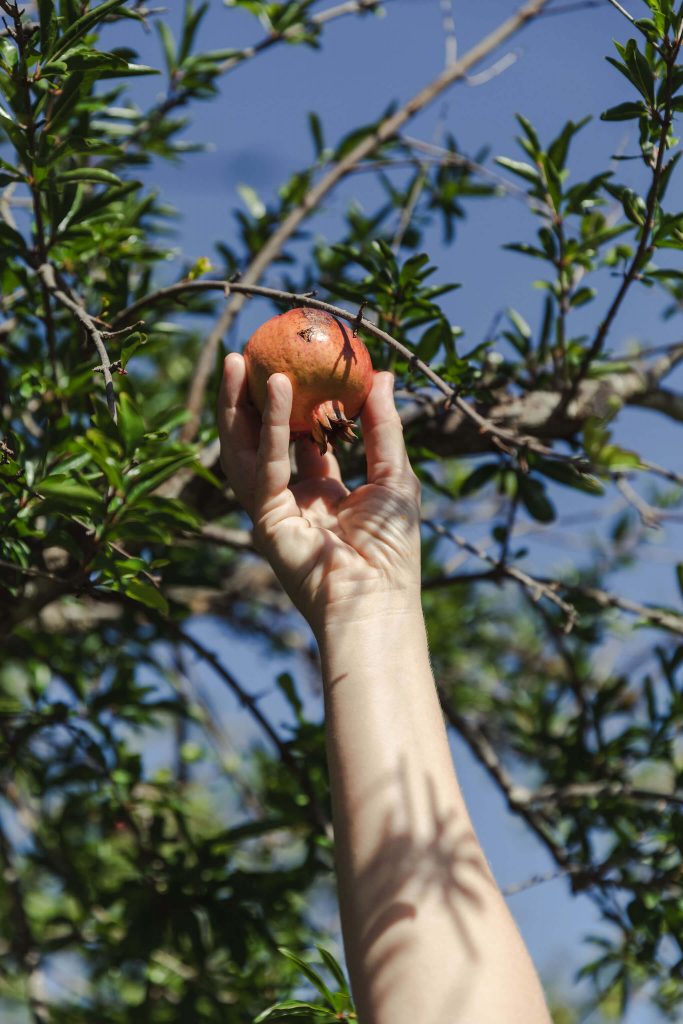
95	174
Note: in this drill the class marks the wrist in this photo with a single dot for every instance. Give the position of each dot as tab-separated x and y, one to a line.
374	625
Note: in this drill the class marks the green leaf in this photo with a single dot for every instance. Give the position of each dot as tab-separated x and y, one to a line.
168	45
48	28
567	474
191	23
623	112
536	501
146	594
520	168
431	341
316	129
11	239
97	175
637	70
679	577
286	683
620	459
66	491
530	132
153	473
350	141
84	24
526	250
252	201
546	329
294	1010
131	424
334	969
83	58
69	97
581	296
558	148
133	342
521	326
478	478
643	75
311	974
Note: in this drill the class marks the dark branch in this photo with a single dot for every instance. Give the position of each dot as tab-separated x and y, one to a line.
47	275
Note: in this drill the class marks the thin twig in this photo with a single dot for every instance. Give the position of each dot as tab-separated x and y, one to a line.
449	33
536	587
648	223
665	620
599	789
668	474
386	130
508	186
25	944
488	74
197	704
251	704
649	516
498	434
47	275
26	570
410	204
669	621
20	38
515	796
316	21
540	879
622	10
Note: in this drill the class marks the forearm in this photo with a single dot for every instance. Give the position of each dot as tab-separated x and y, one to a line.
427	934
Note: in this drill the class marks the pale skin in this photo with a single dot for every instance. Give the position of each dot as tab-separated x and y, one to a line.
427	933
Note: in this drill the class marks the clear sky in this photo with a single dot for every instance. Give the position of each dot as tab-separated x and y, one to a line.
258	135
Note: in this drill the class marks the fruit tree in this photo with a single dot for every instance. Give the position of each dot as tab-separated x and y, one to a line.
164	818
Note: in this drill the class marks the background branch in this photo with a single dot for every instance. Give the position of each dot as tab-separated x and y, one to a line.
386	130
47	275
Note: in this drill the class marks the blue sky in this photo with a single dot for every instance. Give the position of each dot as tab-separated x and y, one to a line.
258	134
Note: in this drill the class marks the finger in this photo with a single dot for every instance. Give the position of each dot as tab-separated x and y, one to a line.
272	498
383	433
238	427
311	465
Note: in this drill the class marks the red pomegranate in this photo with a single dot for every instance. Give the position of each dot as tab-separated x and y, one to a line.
330	370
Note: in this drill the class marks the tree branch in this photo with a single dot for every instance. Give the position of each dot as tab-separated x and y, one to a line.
316	21
642	250
47	275
251	704
499	436
599	789
662	400
27	950
669	621
537	588
516	797
20	38
517	420
386	130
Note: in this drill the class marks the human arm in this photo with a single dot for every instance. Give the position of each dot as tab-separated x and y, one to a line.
428	936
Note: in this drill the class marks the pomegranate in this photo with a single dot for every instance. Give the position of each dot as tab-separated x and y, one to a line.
330	371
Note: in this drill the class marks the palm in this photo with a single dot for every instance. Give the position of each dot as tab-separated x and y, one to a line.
324	541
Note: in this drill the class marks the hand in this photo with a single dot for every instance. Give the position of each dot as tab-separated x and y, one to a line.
336	552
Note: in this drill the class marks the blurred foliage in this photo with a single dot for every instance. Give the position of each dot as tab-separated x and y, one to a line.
148	870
